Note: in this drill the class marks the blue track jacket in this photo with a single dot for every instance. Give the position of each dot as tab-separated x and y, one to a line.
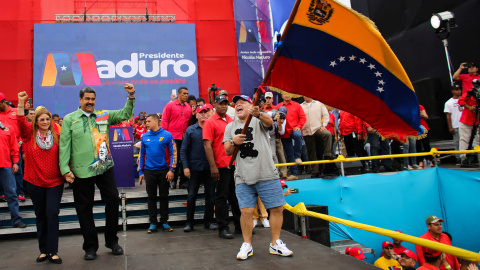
152	152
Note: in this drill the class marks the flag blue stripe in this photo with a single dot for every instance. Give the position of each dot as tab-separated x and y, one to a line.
324	51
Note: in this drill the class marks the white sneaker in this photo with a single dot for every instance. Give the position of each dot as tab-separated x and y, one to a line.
246	251
280	249
416	167
409	167
265	223
255	222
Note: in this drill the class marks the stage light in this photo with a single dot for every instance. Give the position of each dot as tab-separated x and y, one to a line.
443	21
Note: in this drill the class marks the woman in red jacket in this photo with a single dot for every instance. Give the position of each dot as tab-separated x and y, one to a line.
43	177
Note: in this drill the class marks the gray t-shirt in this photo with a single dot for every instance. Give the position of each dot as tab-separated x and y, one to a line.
254	161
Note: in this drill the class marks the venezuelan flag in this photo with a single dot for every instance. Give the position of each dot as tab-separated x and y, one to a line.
336	55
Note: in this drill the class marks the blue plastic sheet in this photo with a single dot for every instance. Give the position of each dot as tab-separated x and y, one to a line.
399	201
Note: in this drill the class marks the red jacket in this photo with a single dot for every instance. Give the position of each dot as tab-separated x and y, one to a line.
468	117
347	123
10	117
176	118
8	146
295	117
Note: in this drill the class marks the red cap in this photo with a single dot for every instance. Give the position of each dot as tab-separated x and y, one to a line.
357	253
209	106
386	244
427	252
136	118
409	254
2	96
283	184
347	250
201	108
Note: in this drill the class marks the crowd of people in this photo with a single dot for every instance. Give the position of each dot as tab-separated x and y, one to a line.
190	142
396	257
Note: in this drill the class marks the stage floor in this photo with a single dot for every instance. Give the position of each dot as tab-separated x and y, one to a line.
200	249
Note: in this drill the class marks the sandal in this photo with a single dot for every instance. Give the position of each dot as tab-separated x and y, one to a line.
56	260
42	257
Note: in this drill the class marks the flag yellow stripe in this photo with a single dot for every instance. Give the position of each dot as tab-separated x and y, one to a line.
353	28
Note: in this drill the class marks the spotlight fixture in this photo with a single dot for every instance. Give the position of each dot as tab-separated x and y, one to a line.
442	22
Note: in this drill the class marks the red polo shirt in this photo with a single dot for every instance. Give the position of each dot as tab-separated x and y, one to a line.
295	117
427	266
347	123
8	146
269	108
10	117
213	130
468	117
176	118
452	260
422	121
466	80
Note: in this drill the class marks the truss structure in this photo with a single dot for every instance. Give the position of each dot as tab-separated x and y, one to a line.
114	18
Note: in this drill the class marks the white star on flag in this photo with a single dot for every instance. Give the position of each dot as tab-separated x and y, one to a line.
371	66
342	58
332	63
362	60
63	67
378	74
380	89
381	82
352	58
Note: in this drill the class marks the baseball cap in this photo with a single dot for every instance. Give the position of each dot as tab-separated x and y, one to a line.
201	108
386	244
244	97
409	254
269	94
456	86
220	99
357	253
472	64
282	109
209	106
2	96
433	219
427	252
283	184
223	92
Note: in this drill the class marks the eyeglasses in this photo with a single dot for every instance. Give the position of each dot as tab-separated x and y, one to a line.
43	119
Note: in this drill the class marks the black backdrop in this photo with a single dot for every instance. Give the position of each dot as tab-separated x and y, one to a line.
405	24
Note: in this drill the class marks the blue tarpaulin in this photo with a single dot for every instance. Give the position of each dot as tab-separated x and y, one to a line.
399	201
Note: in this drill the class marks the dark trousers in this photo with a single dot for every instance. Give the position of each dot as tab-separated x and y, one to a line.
379	147
179	168
225	190
354	146
83	194
423	145
317	145
196	178
154	180
46	202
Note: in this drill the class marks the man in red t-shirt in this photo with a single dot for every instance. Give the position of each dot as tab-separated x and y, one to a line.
466	79
292	138
465	127
213	132
435	228
269	102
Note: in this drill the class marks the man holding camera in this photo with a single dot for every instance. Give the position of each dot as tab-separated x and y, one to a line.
468	120
255	174
467	79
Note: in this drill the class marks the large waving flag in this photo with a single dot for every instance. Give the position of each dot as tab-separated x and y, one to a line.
336	55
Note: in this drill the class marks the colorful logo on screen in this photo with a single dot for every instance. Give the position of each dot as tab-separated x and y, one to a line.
121	134
70	70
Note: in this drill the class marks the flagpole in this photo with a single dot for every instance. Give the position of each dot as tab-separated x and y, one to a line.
285	31
256	99
259	90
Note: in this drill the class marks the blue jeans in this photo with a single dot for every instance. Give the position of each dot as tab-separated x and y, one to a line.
410	148
8	183
379	147
293	151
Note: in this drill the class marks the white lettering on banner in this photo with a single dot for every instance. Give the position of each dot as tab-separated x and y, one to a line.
107	69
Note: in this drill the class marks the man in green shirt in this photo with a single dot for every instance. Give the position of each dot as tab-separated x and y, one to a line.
85	156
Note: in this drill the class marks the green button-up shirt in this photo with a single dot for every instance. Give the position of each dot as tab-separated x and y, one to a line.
84	140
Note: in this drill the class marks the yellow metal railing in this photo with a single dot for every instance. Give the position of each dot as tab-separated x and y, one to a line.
434	152
301	210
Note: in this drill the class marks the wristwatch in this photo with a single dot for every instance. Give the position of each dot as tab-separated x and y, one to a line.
260	115
232	143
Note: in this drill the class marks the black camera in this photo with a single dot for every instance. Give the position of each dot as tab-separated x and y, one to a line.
281	114
475	92
214	88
